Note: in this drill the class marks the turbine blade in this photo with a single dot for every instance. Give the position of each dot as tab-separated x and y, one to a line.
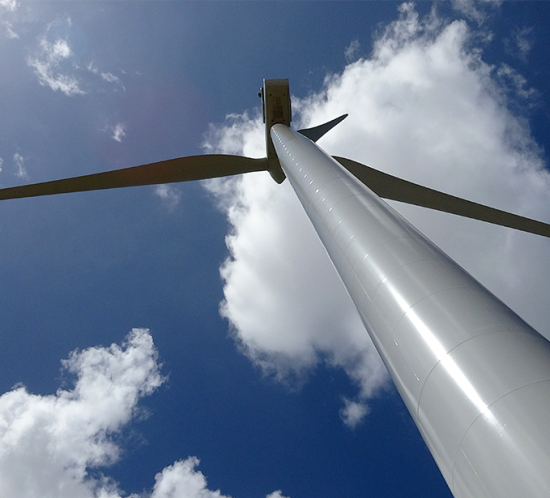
397	189
173	170
317	132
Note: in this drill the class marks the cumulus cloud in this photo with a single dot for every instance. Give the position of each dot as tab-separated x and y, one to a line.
48	444
276	494
181	479
59	445
286	305
423	106
283	298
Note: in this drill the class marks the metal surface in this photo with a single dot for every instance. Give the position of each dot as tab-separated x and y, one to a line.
474	376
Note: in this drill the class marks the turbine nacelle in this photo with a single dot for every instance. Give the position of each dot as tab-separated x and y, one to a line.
276	109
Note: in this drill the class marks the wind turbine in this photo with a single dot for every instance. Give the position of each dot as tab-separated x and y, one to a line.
474	376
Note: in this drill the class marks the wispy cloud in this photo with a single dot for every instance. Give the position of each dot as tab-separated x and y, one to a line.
169	194
520	43
119	132
351	50
437	115
19	163
105	76
57	67
9	31
116	131
50	68
524	41
475	10
111	78
10	5
516	83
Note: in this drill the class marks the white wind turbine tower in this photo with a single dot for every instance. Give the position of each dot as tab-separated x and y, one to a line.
474	376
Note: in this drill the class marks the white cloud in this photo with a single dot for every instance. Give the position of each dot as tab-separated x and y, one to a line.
353	412
116	131
425	107
181	480
50	68
524	42
47	76
57	445
520	43
283	298
276	494
240	134
169	194
19	163
1	162
49	443
10	5
517	82
105	76
474	9
56	66
10	32
111	78
351	51
119	132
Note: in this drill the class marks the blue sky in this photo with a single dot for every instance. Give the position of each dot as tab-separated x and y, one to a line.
144	328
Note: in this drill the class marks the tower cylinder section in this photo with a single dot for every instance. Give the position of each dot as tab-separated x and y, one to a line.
474	376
